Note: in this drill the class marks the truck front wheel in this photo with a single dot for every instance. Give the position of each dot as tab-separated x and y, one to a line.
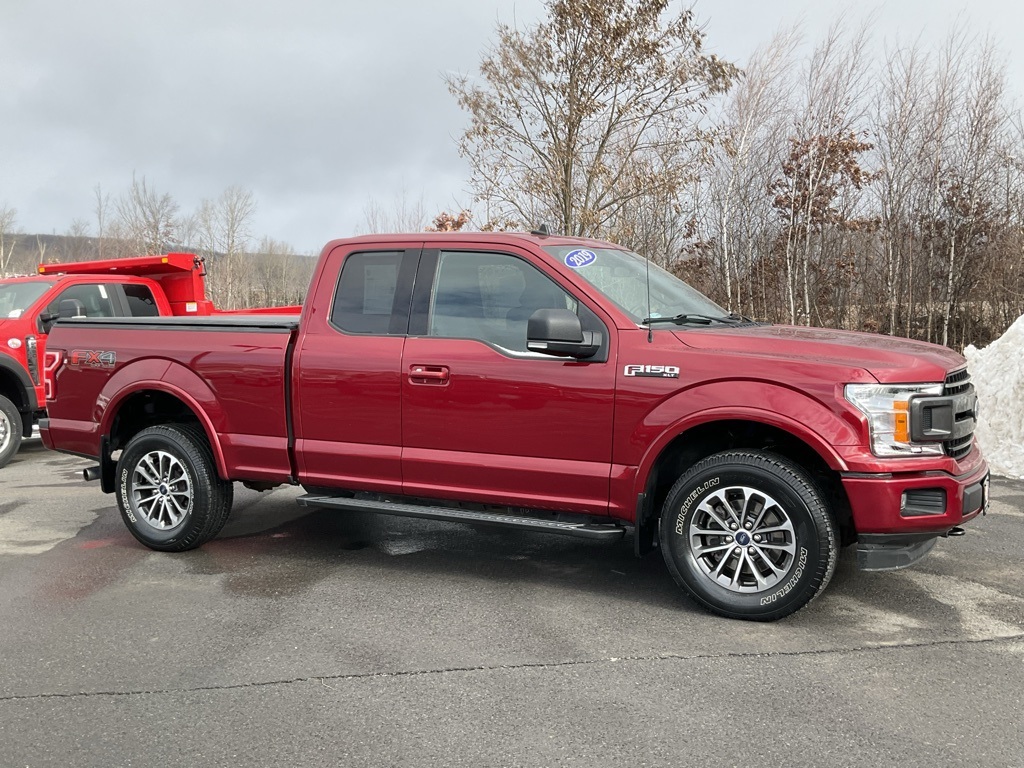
748	536
10	430
168	490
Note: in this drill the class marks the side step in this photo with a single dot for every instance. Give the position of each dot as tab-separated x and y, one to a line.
582	530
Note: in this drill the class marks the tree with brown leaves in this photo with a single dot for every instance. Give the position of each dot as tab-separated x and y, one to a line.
580	117
446	222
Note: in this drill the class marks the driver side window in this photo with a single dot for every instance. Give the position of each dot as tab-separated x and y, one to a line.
94	299
490	297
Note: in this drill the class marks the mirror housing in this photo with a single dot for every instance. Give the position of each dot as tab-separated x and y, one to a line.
67	308
558	332
70	308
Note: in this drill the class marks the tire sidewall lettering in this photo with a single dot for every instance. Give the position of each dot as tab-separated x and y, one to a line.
791	584
140	526
125	503
693	496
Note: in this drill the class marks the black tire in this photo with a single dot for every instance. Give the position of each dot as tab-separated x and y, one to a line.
748	535
10	431
186	504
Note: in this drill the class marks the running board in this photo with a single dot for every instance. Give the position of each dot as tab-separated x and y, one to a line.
582	530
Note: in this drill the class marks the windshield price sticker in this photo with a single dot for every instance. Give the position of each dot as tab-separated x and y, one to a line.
581	257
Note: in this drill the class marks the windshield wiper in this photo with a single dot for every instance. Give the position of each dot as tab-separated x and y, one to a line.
689	320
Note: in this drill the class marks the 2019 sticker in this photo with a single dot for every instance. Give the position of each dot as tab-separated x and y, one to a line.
581	257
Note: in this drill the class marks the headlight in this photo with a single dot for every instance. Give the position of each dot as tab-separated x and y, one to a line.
887	407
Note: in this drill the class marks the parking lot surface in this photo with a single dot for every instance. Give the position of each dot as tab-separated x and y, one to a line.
351	639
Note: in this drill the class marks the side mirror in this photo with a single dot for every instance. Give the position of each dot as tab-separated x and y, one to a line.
70	308
558	332
66	308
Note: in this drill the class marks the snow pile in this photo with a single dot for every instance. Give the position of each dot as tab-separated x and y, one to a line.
997	372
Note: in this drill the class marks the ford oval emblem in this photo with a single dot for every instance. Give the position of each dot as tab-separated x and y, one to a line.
581	257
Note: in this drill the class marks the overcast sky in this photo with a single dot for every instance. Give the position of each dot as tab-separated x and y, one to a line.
317	106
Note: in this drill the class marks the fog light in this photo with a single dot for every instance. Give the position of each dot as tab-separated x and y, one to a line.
923	501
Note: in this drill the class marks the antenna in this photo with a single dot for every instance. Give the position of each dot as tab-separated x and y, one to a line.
650	325
541	231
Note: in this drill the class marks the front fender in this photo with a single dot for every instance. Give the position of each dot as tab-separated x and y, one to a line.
27	401
173	379
795	412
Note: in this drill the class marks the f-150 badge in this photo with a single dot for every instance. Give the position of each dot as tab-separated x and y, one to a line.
653	371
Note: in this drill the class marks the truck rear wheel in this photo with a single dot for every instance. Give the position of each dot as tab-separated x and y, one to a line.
10	430
748	535
168	490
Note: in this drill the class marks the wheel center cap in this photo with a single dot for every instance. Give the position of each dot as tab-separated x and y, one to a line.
162	489
743	538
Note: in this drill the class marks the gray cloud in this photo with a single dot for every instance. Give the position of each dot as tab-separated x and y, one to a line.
316	105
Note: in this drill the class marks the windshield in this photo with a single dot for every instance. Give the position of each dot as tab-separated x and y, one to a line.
622	277
15	298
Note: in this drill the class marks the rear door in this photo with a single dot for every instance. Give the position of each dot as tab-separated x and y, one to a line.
482	417
346	372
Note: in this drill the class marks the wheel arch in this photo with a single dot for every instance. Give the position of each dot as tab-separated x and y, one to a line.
751	429
16	386
154	401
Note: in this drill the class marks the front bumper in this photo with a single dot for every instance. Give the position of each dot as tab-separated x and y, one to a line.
898	516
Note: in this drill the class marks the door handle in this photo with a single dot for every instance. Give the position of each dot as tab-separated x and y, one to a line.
429	374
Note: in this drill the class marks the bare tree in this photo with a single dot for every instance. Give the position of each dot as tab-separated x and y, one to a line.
222	231
756	116
148	220
76	245
401	215
597	106
41	246
278	275
897	122
970	183
822	155
101	208
8	237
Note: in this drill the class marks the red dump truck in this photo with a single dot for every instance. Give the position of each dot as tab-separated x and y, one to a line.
541	383
141	286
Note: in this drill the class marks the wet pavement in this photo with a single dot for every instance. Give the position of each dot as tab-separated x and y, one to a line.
326	638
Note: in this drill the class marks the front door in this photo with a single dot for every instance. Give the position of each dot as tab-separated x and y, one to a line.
482	417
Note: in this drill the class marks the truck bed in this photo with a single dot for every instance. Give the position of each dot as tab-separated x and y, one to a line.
232	368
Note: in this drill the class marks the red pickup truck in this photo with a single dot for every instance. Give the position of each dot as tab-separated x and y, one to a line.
536	382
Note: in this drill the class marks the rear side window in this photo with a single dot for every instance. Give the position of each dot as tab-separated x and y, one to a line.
93	300
140	301
364	301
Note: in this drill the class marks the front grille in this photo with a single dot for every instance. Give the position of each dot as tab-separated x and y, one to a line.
957	382
958	385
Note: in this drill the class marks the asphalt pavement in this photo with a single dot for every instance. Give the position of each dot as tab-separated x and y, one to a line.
314	638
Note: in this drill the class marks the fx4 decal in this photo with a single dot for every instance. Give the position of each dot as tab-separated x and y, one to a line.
653	371
90	358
